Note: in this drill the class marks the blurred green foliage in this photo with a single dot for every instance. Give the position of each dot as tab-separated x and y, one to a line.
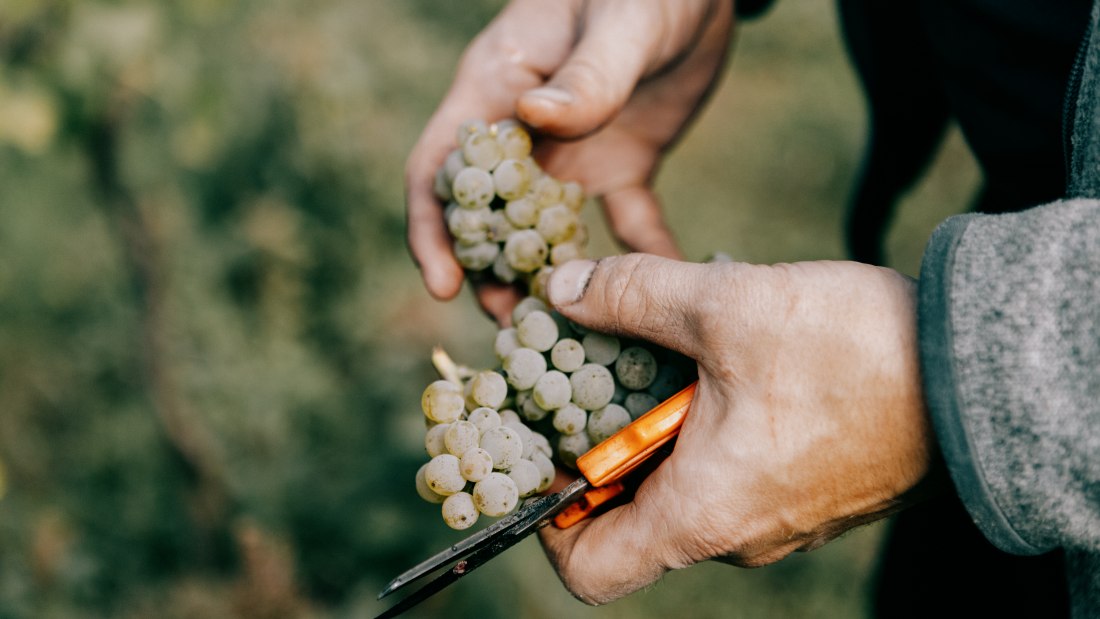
212	342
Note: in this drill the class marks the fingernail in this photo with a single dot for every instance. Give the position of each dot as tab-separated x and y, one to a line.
569	281
555	95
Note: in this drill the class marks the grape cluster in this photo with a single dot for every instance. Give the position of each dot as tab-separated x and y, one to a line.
506	215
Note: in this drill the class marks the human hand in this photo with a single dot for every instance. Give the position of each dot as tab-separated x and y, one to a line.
808	419
610	83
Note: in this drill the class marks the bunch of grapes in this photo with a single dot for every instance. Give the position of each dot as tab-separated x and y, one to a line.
494	436
505	214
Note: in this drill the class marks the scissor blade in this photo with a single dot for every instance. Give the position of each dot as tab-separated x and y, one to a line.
518	525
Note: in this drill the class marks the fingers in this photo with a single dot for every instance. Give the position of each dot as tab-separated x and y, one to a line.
636	219
597	78
636	295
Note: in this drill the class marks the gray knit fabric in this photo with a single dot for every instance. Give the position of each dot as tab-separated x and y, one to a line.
1010	355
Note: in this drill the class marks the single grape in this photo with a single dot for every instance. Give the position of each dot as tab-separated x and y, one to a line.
499	227
552	390
669	382
469	128
478	256
546	190
570	419
556	223
459	511
505	342
473	188
469	226
443	401
525	250
580	236
495	129
514	141
572	195
523	367
528	408
453	164
537	331
496	495
526	476
504	445
504	271
571	447
512	178
475	464
509	416
604	422
424	490
639	403
443	475
546	470
540	445
484	418
593	386
537	283
526	436
523	213
636	368
441	186
567	355
460	437
433	439
489	389
600	348
526	306
564	252
482	151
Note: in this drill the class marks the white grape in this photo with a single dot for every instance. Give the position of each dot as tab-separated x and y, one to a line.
443	401
459	511
424	490
482	151
511	178
526	437
523	367
504	445
499	227
526	306
506	341
528	408
509	416
441	186
489	389
567	355
514	141
504	271
604	422
571	447
473	188
564	252
601	348
572	195
478	256
443	475
453	164
523	213
434	442
525	250
546	470
538	282
570	419
468	128
475	464
460	437
496	495
552	390
540	444
484	418
639	403
636	368
469	226
537	331
556	223
546	190
593	386
526	477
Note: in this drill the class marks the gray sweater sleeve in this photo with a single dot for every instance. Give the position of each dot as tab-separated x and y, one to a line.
1010	355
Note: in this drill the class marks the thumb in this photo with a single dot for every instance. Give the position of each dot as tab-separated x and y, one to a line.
597	78
636	295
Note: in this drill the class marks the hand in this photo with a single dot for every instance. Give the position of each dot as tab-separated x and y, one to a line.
620	78
808	419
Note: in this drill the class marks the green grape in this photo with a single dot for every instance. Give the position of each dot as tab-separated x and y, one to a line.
504	271
600	348
484	418
443	401
523	213
552	390
482	150
525	250
540	444
489	389
546	190
504	444
475	464
469	226
477	256
636	368
572	195
499	227
571	447
604	422
496	495
512	178
564	252
441	186
556	223
460	437
459	511
443	475
514	141
537	331
546	470
523	367
473	188
526	477
469	128
505	342
639	403
528	407
452	165
570	419
593	386
526	306
567	355
434	442
424	490
669	382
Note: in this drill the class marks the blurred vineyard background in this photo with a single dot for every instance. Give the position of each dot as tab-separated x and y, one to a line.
212	341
